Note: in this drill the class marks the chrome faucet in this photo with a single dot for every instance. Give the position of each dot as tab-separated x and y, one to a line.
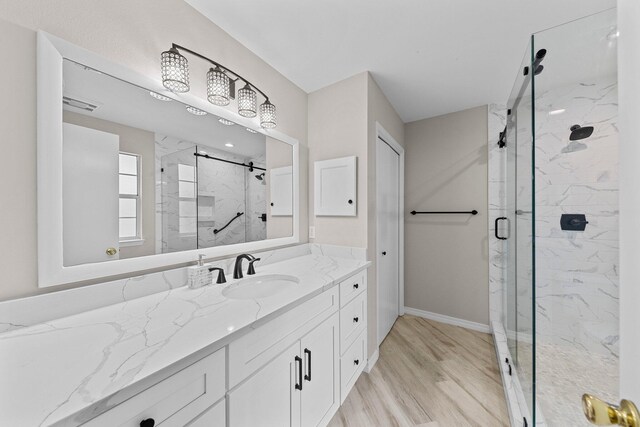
237	269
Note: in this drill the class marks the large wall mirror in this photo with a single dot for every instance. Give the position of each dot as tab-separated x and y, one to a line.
133	178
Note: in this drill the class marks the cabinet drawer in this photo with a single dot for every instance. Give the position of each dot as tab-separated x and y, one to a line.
353	319
352	363
352	286
253	350
174	401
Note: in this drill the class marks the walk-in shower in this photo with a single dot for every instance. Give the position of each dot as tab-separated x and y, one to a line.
559	311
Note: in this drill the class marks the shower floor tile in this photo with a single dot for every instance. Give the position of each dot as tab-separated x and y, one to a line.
564	374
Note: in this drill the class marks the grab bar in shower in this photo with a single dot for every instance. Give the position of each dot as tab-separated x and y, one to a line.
238	215
473	212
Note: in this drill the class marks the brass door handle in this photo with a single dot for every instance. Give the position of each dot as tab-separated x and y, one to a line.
111	251
601	413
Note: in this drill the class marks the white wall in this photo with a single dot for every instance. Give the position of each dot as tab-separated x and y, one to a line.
132	33
629	104
446	261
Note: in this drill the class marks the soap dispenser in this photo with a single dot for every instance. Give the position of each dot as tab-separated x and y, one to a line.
199	274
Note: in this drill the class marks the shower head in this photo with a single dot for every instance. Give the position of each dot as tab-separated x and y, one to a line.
260	176
578	132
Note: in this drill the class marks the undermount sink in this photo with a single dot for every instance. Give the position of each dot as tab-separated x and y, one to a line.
260	286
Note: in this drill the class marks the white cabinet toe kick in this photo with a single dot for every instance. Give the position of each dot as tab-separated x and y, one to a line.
295	370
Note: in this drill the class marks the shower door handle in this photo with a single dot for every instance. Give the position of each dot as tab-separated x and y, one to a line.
495	228
601	413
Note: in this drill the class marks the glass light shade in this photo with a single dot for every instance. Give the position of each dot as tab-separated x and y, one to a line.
226	122
267	115
159	97
247	102
175	71
218	87
196	111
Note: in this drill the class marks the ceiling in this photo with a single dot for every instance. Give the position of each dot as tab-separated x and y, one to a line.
429	57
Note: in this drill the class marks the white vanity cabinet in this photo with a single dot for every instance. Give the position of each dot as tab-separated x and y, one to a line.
269	397
298	368
297	388
292	371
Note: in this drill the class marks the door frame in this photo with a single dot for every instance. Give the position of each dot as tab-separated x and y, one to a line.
385	137
629	108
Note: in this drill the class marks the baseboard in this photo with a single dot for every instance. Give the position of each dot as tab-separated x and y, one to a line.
474	326
372	360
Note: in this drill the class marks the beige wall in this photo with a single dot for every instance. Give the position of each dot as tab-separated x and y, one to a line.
342	122
132	33
142	143
379	110
446	265
338	128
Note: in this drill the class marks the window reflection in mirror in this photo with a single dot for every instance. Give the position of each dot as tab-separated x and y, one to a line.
142	175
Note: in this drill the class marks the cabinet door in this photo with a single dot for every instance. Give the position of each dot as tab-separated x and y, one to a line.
270	397
335	187
212	417
320	394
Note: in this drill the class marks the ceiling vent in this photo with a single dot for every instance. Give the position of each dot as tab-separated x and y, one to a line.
76	103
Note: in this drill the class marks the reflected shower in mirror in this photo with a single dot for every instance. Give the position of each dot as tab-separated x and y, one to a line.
144	174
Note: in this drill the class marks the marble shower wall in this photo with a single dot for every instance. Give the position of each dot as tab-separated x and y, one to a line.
256	202
164	146
496	120
577	272
178	203
223	190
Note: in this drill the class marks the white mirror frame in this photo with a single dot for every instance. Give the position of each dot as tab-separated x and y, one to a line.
51	51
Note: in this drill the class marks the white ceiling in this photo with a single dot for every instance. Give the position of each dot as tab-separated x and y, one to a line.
429	57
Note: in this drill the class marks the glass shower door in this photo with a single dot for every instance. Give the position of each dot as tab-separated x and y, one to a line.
576	271
519	313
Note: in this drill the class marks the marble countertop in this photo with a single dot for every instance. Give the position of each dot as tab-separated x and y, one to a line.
65	371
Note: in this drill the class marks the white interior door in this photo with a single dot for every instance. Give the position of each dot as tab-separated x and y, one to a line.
281	189
388	236
90	195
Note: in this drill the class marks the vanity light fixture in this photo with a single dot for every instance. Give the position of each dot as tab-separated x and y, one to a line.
247	102
556	112
159	97
226	122
228	144
267	115
175	71
221	83
218	87
251	130
196	111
